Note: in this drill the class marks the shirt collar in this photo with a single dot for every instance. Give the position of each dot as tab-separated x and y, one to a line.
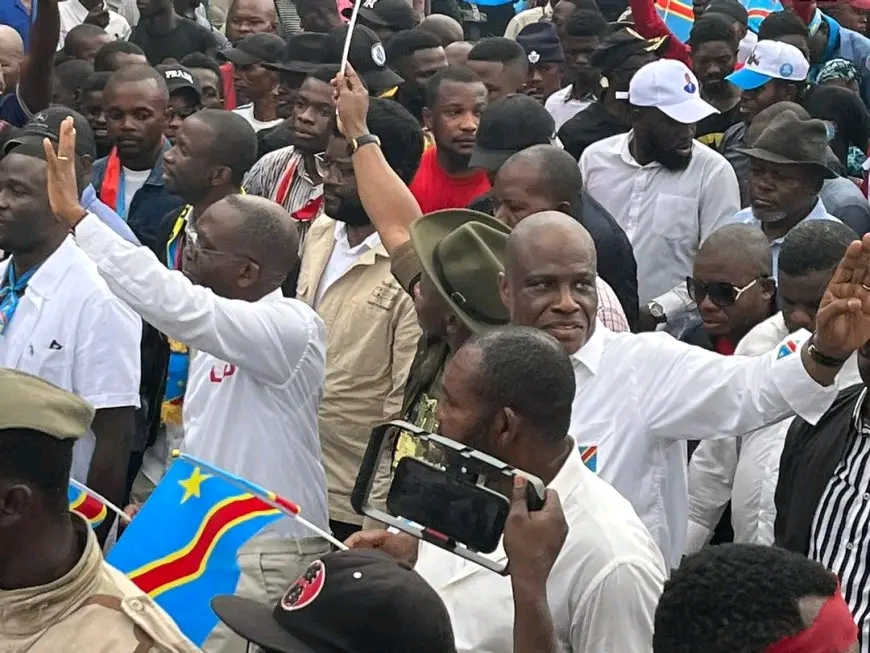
156	176
89	194
372	242
589	355
857	421
53	270
570	476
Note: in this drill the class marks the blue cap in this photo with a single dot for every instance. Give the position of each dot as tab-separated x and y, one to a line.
747	79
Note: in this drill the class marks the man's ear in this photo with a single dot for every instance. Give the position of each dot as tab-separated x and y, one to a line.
427	118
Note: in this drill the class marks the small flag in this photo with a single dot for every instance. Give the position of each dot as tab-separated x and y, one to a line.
86	505
679	16
181	548
786	349
590	457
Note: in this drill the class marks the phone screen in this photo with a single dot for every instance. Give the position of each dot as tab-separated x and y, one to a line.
463	512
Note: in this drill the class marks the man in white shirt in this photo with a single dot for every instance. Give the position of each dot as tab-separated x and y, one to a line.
255	82
667	191
640	397
95	12
256	378
508	393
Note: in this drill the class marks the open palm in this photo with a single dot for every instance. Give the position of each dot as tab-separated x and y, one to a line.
843	318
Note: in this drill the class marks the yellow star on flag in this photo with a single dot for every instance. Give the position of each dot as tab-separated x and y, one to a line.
192	485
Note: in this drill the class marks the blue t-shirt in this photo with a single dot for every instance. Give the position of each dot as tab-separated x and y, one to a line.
13	13
12	111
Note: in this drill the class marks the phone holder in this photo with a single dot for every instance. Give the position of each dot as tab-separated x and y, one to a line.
463	461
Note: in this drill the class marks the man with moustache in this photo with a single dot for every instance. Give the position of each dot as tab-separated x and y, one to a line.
714	55
666	190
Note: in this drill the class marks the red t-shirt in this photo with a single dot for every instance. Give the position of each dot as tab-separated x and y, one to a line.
436	190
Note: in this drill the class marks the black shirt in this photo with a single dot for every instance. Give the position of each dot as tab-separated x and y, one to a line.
712	128
274	138
187	37
591	125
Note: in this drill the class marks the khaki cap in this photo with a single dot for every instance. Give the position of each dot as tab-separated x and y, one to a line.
28	402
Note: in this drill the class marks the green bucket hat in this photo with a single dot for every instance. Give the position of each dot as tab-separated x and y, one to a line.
463	252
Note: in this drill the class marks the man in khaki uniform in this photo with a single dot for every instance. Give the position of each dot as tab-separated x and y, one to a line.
56	592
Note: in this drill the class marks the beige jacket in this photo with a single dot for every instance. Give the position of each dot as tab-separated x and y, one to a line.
93	609
371	338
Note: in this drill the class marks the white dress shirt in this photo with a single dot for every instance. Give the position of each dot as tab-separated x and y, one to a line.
342	257
70	330
745	469
563	107
666	215
255	379
73	13
602	591
641	396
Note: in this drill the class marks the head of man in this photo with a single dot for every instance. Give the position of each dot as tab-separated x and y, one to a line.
250	77
774	72
444	27
665	107
714	52
455	101
93	111
536	179
754	597
416	55
402	144
549	278
185	97
809	255
314	111
368	57
84	41
386	17
117	55
562	12
69	77
302	56
135	100
619	57
247	17
508	393
207	73
318	16
786	27
213	150
851	14
788	166
11	57
150	9
735	13
731	281
457	53
583	33
546	59
501	64
840	73
242	247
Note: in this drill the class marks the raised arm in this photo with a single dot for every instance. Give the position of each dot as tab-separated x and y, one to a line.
34	84
650	25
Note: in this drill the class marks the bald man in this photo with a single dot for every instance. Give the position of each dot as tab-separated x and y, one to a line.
444	27
457	52
11	57
246	17
640	397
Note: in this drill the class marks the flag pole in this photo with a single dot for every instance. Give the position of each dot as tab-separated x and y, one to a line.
351	23
111	506
280	503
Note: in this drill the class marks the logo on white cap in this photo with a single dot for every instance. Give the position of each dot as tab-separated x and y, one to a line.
379	55
534	57
691	86
779	60
669	86
369	4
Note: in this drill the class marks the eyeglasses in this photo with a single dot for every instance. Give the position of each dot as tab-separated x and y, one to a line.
721	293
195	246
323	165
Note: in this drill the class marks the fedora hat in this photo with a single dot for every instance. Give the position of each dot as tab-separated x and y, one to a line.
462	252
791	140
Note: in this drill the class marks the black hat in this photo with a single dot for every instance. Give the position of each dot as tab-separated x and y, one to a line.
348	601
541	43
397	15
179	78
791	140
304	53
730	8
507	126
619	46
367	56
46	124
256	48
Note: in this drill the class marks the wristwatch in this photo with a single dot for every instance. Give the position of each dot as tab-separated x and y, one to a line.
355	143
657	312
821	358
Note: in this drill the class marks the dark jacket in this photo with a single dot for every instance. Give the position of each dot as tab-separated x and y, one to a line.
809	457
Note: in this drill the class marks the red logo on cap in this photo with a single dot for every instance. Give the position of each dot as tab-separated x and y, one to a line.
306	588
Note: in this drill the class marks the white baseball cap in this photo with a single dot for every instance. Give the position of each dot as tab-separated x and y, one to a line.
770	60
669	86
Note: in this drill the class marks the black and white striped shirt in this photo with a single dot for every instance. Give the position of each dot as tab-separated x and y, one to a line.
840	535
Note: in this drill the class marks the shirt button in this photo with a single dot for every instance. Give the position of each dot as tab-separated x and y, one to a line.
849	546
866	496
136	605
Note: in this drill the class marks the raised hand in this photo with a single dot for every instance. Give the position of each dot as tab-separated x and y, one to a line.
351	103
62	187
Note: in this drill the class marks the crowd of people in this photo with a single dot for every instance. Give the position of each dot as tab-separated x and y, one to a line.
634	267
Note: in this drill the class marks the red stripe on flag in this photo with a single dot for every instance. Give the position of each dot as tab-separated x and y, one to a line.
676	8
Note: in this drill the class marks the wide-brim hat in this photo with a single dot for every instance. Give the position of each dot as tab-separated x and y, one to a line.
790	140
463	252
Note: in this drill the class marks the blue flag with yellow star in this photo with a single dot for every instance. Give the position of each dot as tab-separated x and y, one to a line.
181	547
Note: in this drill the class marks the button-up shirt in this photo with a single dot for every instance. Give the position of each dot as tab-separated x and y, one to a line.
665	214
640	397
602	591
73	13
254	382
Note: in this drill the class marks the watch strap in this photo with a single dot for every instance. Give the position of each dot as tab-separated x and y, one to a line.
355	143
821	358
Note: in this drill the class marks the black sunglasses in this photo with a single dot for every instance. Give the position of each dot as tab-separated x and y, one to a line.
721	293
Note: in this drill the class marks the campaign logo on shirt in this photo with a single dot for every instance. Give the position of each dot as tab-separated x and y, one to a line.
787	349
590	457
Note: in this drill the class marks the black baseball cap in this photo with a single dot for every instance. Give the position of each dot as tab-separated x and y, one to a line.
346	602
256	48
507	126
397	15
179	78
730	8
620	45
367	56
304	53
541	43
46	124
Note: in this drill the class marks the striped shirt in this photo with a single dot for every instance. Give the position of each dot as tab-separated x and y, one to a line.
288	18
840	535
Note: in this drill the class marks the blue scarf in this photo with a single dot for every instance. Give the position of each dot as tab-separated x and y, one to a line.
10	294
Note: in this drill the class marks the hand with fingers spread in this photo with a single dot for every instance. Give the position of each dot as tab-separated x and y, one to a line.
62	186
98	15
351	104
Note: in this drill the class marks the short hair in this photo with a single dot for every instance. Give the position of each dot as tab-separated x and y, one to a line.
39	460
736	597
528	371
782	23
498	49
135	74
201	60
404	44
268	231
325	72
813	246
103	60
81	33
73	74
744	242
457	74
400	134
587	22
712	27
96	82
234	144
559	176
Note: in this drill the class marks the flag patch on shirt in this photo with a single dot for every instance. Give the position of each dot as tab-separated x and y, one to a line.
590	457
786	349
